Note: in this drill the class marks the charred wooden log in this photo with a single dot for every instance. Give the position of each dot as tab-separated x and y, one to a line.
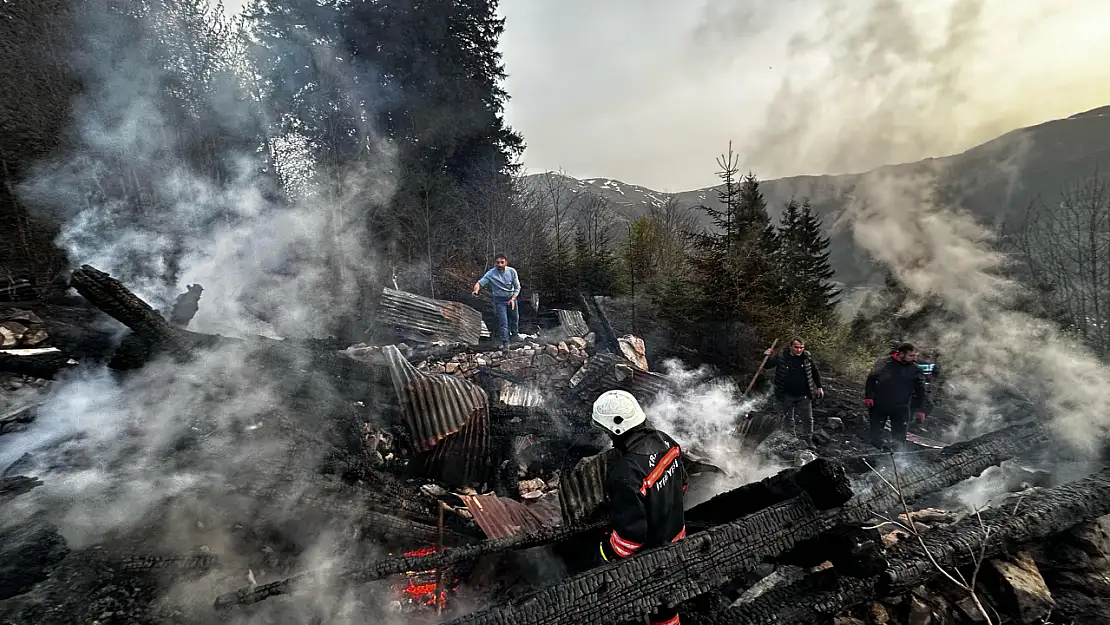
132	353
391	566
821	479
626	590
598	321
37	363
199	562
386	490
110	296
27	554
15	419
671	574
911	563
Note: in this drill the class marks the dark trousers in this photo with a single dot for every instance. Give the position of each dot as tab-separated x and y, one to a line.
508	318
899	422
797	415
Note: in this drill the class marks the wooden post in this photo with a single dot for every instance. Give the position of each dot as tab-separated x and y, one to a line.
439	569
760	369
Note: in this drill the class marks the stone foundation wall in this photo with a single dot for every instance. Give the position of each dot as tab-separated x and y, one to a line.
546	365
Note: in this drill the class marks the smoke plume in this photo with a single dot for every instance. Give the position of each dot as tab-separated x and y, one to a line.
1002	361
176	458
704	419
890	81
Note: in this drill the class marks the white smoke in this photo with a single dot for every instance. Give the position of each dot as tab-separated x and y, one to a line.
170	458
138	203
704	418
991	349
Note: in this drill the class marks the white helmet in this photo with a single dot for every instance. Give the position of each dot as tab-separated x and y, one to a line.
617	412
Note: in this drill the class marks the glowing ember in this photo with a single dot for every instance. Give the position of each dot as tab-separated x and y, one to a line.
423	551
424	593
421	588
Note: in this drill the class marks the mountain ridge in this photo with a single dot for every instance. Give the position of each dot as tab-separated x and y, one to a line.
995	180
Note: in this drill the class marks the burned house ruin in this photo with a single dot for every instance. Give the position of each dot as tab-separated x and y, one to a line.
460	483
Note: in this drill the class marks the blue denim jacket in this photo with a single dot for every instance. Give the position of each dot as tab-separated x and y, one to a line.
505	284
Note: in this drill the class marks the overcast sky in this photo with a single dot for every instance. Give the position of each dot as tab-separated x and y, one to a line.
651	91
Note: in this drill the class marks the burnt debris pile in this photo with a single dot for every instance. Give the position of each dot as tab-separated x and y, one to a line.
424	476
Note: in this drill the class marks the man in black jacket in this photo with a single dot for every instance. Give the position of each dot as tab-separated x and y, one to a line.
645	485
895	386
797	381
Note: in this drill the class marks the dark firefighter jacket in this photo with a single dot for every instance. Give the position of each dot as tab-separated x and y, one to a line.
895	385
796	376
645	486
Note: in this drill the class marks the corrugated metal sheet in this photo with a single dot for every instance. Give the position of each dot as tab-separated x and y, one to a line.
525	395
605	371
463	458
433	405
422	319
572	322
582	490
501	518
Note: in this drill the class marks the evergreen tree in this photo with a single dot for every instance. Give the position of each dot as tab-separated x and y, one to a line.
734	258
805	283
755	226
595	264
724	218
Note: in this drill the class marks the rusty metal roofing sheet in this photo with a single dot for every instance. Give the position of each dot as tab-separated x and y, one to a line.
433	405
422	319
501	518
605	371
582	489
463	458
572	322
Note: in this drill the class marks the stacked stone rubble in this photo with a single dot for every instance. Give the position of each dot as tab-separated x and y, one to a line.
549	366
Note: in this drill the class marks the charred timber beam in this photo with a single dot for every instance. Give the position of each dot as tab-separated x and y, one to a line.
624	591
391	522
956	462
110	296
15	418
152	562
37	363
599	322
1037	515
671	574
819	478
392	566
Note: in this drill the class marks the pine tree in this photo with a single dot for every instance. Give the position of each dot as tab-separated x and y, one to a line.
595	264
756	243
806	285
786	256
712	248
734	259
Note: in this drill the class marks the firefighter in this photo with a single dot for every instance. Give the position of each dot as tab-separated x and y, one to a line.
645	484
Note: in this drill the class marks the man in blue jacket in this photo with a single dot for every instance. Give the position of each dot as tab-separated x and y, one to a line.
505	285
